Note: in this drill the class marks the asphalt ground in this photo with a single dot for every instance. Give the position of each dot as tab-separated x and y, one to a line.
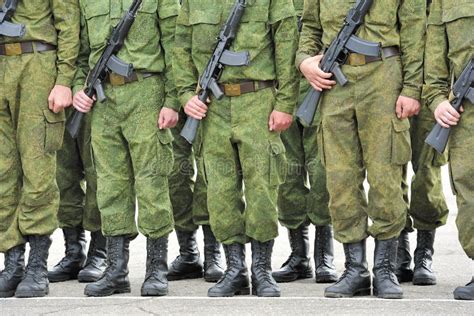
452	267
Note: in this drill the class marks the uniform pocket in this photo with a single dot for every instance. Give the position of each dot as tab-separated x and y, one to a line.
54	135
165	152
98	22
401	144
278	163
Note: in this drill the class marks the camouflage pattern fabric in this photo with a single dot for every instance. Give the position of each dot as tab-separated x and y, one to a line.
133	159
427	207
236	146
359	134
31	134
449	47
77	181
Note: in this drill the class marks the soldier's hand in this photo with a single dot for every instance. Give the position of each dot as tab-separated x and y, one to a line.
318	79
279	121
407	107
446	115
82	102
195	108
168	118
59	98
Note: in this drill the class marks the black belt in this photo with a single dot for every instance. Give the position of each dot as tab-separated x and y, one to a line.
15	49
117	80
355	59
236	89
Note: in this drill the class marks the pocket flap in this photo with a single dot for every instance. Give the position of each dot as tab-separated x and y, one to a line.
277	148
97	8
204	17
400	125
458	11
52	117
165	136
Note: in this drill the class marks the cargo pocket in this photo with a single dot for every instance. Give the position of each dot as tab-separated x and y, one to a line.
320	143
205	23
54	134
278	163
96	14
165	152
401	144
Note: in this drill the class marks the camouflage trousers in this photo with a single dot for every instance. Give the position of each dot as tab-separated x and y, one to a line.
77	181
188	196
31	134
133	160
427	209
303	197
239	151
361	136
461	166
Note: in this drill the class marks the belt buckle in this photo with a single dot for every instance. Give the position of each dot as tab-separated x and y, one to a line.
232	90
357	59
13	49
116	80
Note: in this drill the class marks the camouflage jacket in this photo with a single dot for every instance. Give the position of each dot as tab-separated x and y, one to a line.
148	45
268	32
449	46
389	22
54	22
298	6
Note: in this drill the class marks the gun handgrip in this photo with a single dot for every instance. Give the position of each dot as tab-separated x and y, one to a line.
189	130
73	124
438	138
307	109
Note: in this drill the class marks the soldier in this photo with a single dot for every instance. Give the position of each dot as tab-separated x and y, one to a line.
132	151
364	130
189	201
303	199
37	70
241	143
449	47
78	211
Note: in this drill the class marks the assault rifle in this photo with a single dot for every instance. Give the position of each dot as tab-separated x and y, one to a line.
462	89
220	58
336	55
108	62
8	28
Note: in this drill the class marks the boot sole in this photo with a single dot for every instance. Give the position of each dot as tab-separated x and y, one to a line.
463	297
390	296
242	291
293	278
111	292
362	292
64	278
255	293
154	293
423	281
7	294
27	294
192	275
212	279
326	278
86	279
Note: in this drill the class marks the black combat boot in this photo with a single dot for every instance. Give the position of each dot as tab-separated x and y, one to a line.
72	263
156	283
355	281
115	278
263	284
385	258
423	273
403	271
14	270
465	292
188	264
324	255
236	277
96	259
35	282
213	270
297	266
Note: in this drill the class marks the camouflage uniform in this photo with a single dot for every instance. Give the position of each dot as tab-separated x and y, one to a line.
77	182
361	136
452	22
31	133
237	146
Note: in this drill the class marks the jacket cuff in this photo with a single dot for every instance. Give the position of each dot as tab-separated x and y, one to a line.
172	103
411	93
285	108
184	98
63	81
300	57
437	101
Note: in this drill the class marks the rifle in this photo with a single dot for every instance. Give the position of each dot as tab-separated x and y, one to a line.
462	89
337	54
220	58
108	62
7	28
